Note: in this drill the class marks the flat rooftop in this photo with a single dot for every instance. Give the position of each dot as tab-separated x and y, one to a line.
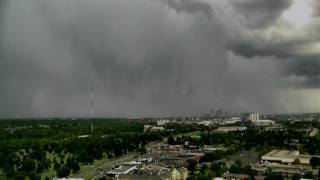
287	156
123	169
282	153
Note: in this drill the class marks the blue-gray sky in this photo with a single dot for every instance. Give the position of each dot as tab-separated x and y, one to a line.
158	57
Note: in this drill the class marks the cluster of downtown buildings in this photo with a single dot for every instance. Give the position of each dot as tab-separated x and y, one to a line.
224	124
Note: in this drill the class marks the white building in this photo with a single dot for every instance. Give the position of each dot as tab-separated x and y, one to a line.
287	157
218	178
263	123
122	169
205	123
232	120
146	128
230	129
153	128
83	136
254	117
157	129
236	119
163	122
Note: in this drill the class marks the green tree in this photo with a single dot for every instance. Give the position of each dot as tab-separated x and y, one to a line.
72	164
90	159
296	177
40	167
63	172
142	150
203	177
9	171
75	167
110	156
83	156
235	169
314	162
296	161
38	153
218	168
191	166
308	175
171	140
274	176
28	165
56	166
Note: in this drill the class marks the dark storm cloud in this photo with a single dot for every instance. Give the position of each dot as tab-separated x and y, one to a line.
295	49
312	82
143	57
300	72
190	6
140	60
261	13
252	49
301	65
258	42
301	82
306	67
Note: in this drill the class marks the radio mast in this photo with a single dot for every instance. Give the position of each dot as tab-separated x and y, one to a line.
91	107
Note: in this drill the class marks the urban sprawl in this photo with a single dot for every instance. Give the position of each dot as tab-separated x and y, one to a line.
215	147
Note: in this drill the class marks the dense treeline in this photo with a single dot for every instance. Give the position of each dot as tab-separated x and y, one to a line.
31	148
291	137
57	128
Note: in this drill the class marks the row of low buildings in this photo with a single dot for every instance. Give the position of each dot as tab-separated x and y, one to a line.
163	163
287	157
154	172
207	122
254	118
169	162
151	128
226	129
286	162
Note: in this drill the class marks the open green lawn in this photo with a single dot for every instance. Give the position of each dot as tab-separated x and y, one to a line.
92	172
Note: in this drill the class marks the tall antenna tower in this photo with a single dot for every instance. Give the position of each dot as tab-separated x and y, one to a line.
91	107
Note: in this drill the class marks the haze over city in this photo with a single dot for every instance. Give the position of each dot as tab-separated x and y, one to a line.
158	57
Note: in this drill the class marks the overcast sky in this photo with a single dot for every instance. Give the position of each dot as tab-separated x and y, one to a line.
158	57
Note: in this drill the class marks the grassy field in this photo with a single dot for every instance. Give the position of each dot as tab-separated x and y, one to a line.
89	172
92	171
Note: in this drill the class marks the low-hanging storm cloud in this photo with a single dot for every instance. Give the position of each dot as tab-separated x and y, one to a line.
158	57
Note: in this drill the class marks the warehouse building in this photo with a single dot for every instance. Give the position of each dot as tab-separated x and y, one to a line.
287	157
